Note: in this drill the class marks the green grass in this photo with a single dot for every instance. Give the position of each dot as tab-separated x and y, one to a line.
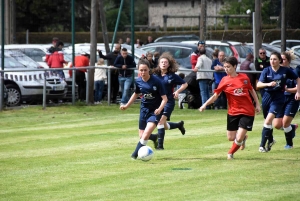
83	153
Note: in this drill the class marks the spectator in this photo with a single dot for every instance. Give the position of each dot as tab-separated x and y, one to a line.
114	73
194	58
124	62
128	41
261	62
51	49
248	65
217	65
215	54
56	60
137	44
82	60
181	95
156	57
204	78
99	80
120	41
149	40
149	57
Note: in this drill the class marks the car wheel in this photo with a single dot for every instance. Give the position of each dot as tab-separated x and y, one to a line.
14	95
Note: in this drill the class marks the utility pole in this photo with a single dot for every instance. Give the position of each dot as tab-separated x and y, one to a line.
203	20
258	30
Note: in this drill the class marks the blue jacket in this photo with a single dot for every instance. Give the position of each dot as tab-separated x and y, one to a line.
129	61
217	75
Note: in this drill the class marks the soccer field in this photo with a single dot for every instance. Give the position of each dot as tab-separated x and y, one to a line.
83	153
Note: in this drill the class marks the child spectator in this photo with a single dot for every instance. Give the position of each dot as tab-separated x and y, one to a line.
99	79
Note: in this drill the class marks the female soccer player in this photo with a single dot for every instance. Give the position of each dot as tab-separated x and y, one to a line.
273	80
241	111
167	66
153	102
290	108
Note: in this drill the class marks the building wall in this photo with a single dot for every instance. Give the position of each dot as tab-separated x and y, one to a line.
183	8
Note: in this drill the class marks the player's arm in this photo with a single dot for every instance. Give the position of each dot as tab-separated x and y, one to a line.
297	96
162	105
211	100
260	84
181	88
257	104
131	100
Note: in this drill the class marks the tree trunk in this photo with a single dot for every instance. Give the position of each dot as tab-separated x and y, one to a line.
104	27
93	34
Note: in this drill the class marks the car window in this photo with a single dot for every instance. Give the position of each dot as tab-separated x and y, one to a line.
149	49
226	49
35	54
241	50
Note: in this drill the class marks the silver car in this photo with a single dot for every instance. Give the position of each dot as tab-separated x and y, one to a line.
27	86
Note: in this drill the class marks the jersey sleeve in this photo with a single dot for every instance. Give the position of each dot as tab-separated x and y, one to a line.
137	88
292	74
262	77
178	80
221	86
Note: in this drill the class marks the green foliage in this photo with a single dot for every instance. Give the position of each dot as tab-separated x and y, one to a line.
111	19
83	153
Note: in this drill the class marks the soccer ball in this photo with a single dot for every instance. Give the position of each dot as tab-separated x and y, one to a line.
145	153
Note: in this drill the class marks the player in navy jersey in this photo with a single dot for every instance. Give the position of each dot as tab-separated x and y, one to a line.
273	81
290	108
153	102
167	66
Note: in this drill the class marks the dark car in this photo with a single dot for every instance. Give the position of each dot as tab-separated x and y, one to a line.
180	51
177	38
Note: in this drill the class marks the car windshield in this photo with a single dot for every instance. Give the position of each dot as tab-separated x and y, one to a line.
22	58
10	62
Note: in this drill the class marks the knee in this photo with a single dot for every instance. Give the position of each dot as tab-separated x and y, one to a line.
231	138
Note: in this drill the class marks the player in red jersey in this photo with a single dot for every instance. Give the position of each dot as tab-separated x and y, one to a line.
241	111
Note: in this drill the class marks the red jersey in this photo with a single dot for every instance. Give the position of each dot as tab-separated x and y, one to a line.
237	93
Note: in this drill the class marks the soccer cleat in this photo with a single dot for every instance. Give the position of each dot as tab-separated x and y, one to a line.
243	146
262	150
159	148
230	156
269	146
155	143
181	127
133	157
288	147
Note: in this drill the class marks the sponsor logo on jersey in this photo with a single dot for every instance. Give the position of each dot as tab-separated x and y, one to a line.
238	92
245	81
154	88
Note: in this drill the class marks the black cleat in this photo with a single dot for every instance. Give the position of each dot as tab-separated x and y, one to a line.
181	127
160	147
155	143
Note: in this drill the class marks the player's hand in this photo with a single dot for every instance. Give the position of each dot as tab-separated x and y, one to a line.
272	84
157	111
123	107
297	96
257	109
202	108
175	94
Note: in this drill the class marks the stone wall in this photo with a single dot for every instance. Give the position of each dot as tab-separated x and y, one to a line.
181	8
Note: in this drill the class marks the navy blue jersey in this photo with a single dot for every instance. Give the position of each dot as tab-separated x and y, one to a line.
280	77
290	84
152	90
170	81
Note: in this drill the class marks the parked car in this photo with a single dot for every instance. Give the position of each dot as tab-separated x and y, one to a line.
180	51
27	86
296	49
37	52
177	38
289	43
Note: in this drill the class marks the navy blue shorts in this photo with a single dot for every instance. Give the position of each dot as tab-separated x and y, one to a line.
290	107
272	103
243	121
168	109
147	116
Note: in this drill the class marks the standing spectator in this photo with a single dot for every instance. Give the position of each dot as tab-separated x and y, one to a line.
56	60
248	65
215	54
284	119
99	80
125	62
217	65
204	78
167	66
241	111
194	58
149	40
181	95
82	60
153	102
273	81
128	41
137	44
120	41
149	57
52	49
114	73
156	57
261	62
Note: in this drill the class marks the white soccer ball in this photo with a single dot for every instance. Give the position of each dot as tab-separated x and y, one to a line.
145	153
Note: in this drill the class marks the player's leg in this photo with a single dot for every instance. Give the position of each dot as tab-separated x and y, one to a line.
161	132
172	125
